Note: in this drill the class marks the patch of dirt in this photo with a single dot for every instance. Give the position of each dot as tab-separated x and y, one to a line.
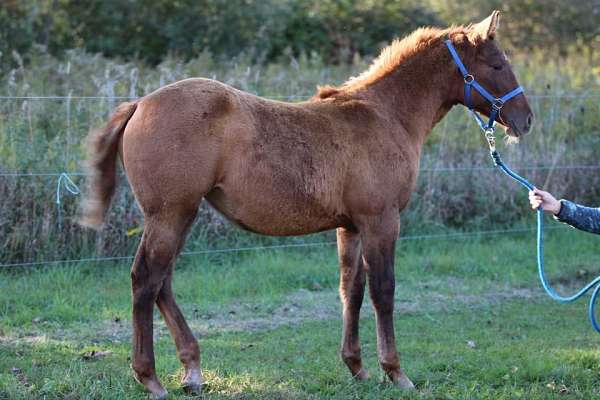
576	278
94	355
301	306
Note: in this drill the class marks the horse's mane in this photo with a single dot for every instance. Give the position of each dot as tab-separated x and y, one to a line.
390	58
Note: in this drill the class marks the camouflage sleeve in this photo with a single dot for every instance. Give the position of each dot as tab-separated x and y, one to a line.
580	217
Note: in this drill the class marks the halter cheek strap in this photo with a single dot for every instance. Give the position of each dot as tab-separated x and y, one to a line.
471	83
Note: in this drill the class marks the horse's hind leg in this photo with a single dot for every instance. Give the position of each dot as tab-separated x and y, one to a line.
187	345
352	289
163	235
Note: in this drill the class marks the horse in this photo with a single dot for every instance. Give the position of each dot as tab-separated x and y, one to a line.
346	159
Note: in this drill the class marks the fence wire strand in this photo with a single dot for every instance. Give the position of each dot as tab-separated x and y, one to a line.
438	169
274	97
441	236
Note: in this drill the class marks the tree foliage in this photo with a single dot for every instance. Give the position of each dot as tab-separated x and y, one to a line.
266	30
550	24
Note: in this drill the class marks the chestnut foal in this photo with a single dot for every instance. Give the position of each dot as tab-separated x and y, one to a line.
346	159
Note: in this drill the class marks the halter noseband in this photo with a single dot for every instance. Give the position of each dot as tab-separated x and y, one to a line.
497	102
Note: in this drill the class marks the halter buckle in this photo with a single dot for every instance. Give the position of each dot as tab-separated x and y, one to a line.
469	79
498	103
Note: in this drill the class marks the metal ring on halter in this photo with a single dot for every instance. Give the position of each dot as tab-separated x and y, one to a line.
469	79
498	103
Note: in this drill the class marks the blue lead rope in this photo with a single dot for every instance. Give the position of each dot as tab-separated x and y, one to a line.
488	129
540	251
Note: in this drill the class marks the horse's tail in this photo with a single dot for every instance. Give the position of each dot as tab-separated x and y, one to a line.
102	152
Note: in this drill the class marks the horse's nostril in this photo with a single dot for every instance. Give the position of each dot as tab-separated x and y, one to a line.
529	121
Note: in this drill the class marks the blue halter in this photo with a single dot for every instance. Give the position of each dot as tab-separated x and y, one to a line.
471	83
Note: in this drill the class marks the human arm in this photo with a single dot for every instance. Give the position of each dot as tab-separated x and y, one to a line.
578	216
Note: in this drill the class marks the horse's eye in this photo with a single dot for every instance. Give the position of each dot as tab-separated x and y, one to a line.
498	67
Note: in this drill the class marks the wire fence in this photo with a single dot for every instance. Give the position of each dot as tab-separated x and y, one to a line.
437	169
444	236
458	169
441	236
304	96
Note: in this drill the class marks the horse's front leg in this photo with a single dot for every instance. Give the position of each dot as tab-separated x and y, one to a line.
378	238
352	289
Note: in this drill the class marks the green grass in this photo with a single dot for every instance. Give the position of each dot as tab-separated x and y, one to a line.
269	325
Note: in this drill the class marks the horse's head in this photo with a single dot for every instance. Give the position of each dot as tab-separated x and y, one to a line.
488	64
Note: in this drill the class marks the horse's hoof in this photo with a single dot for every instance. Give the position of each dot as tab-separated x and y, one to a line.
402	381
157	392
192	387
159	396
192	382
362	375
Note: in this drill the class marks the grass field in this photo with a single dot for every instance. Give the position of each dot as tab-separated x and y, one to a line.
471	320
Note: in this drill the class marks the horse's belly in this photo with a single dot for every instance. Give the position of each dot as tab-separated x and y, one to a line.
273	215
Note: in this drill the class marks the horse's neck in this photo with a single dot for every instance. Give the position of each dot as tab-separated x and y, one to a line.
416	96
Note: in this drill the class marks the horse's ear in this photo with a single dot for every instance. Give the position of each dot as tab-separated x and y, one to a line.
486	29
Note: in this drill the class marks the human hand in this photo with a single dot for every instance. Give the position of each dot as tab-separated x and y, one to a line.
547	202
